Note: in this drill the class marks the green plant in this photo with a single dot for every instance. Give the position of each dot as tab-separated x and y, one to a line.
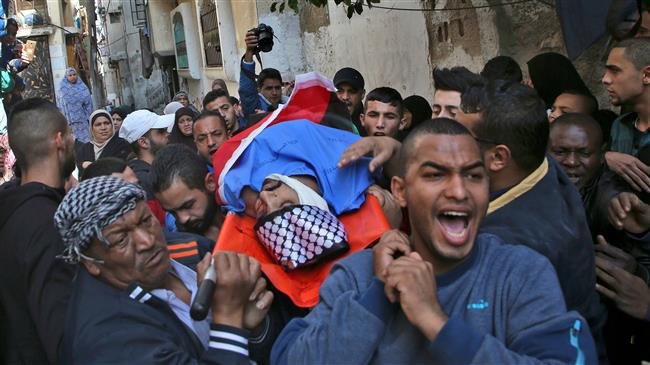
352	6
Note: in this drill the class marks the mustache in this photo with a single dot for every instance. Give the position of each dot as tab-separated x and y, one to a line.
140	265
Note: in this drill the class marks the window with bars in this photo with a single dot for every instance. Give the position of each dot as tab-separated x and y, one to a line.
179	40
210	29
139	13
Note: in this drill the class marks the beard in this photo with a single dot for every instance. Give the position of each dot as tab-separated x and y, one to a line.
201	225
155	147
69	165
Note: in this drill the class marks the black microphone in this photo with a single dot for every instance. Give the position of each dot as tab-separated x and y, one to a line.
202	300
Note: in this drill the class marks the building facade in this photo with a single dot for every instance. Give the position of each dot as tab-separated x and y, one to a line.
189	43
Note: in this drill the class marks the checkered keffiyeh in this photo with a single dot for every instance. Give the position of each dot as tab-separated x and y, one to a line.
301	235
89	208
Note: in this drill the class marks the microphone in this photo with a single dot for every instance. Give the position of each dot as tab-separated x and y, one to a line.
202	300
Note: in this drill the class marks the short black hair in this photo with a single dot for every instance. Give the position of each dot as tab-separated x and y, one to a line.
591	104
515	117
30	126
436	126
474	99
210	113
103	167
386	95
455	79
502	68
268	73
584	121
637	50
214	95
177	162
234	100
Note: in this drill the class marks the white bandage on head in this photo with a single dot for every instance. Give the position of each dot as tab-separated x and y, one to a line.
306	195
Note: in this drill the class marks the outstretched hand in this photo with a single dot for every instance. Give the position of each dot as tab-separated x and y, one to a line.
615	255
630	293
381	149
626	211
630	168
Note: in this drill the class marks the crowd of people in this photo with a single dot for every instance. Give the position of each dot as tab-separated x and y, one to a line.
504	219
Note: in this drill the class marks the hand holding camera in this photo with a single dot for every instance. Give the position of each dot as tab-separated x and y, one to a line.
258	40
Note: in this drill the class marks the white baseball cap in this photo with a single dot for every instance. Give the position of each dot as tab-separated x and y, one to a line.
136	124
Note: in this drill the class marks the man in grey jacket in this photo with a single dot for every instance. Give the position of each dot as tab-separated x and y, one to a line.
445	294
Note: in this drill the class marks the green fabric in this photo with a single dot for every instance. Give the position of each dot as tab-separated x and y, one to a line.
7	82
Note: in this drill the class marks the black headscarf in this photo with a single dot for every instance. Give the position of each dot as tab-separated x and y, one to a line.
122	111
176	136
552	74
420	111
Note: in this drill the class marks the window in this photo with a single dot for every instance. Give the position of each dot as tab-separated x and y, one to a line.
179	39
210	28
115	18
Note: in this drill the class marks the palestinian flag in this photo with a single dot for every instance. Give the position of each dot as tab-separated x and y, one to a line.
313	98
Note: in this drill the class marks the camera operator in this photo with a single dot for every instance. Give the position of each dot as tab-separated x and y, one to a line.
265	94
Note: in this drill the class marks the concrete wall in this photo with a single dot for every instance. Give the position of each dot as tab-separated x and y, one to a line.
126	51
58	58
390	47
401	48
162	36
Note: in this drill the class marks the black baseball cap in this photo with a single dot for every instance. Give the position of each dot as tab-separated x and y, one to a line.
351	76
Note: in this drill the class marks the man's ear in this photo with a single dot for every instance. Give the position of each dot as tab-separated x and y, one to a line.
646	75
361	119
497	158
209	182
59	141
402	124
398	189
143	142
92	267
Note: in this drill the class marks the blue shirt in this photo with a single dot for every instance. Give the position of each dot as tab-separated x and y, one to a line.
504	305
179	307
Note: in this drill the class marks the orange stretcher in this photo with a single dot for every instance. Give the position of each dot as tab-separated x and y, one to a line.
363	226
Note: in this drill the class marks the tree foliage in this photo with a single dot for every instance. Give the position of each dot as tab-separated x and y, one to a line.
353	7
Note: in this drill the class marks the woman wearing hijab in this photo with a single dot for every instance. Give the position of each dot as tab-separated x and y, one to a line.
416	110
104	142
552	74
74	101
184	98
182	130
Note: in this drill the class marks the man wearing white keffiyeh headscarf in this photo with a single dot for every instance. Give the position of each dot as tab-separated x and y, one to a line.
91	207
129	295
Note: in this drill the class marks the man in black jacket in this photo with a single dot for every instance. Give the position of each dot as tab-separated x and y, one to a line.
131	303
35	286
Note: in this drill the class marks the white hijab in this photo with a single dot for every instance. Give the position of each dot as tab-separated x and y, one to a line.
99	147
306	195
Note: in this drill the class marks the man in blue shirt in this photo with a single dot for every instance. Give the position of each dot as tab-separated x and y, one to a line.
445	294
264	95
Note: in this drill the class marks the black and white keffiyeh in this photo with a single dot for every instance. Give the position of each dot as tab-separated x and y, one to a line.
301	235
90	207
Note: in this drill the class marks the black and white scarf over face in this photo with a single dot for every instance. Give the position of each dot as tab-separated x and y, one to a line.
301	235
